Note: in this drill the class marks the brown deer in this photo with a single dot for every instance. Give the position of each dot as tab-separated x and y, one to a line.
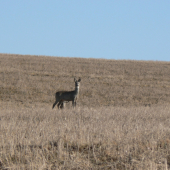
66	96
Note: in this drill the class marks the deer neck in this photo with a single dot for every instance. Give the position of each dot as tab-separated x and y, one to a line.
76	89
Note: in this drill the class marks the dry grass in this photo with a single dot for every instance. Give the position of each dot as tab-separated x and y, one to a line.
104	138
110	129
31	79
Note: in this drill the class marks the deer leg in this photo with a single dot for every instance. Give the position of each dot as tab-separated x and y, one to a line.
61	105
75	100
58	105
55	104
73	103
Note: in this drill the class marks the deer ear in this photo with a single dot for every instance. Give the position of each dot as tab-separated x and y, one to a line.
79	80
74	80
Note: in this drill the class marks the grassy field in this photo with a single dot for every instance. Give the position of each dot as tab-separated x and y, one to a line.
122	118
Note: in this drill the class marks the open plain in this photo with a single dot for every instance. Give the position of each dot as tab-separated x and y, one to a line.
122	118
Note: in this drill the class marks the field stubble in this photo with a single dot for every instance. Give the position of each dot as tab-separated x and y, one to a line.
122	120
85	138
31	79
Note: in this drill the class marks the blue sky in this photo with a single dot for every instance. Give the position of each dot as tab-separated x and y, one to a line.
111	29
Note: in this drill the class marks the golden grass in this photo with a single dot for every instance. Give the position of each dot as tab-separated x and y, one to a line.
32	79
85	138
122	119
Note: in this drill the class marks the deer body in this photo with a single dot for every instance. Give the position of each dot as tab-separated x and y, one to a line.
63	96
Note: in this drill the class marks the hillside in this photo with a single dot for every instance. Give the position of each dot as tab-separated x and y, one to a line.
31	80
122	120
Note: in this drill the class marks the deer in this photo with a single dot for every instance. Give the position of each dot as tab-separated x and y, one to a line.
62	97
61	104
